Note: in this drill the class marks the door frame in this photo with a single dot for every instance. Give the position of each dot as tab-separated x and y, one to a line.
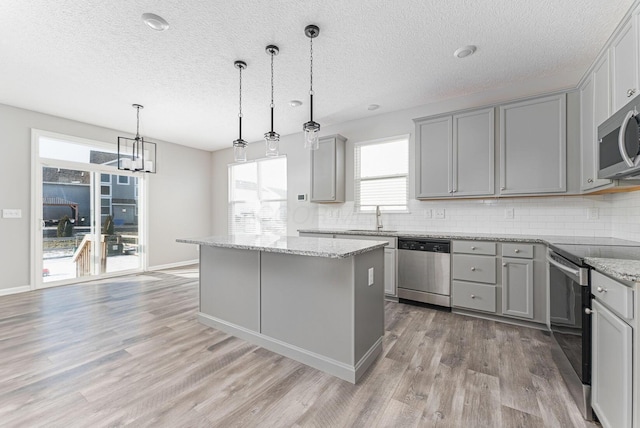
36	205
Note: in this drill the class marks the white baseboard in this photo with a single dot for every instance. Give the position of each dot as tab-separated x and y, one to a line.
14	290
174	265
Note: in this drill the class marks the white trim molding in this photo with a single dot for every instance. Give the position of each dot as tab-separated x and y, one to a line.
173	265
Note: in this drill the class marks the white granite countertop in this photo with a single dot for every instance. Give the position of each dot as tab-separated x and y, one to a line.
317	247
625	269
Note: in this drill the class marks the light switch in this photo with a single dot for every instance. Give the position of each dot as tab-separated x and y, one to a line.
370	276
11	213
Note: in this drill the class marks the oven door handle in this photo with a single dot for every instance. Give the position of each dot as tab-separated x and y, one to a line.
574	272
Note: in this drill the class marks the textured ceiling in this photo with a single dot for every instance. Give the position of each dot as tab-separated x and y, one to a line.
89	60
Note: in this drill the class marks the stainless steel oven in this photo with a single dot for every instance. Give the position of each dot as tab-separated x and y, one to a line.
570	308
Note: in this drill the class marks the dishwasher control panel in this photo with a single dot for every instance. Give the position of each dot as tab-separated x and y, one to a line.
431	245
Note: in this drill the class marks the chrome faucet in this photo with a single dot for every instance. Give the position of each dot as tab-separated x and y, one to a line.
378	218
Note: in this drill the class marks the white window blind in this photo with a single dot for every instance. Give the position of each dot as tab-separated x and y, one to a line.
382	175
258	197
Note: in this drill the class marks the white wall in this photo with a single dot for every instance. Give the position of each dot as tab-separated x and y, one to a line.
179	195
557	215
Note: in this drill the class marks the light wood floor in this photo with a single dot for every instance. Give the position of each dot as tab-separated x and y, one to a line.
130	352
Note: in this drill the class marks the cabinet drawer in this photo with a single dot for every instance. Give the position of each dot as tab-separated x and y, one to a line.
391	240
479	297
520	251
475	247
474	268
616	296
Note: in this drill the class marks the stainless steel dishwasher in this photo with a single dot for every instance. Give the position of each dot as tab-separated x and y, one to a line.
424	270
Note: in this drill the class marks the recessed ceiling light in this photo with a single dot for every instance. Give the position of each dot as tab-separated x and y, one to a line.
373	107
295	103
464	51
155	22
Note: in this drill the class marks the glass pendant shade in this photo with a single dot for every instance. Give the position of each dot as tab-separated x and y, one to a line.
311	135
272	144
240	151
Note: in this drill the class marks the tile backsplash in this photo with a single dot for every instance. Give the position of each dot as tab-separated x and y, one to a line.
615	215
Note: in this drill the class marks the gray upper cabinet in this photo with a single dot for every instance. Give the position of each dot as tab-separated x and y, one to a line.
595	103
533	146
454	155
472	157
327	170
433	154
624	65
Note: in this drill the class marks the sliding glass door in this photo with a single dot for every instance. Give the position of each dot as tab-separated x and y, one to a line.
87	213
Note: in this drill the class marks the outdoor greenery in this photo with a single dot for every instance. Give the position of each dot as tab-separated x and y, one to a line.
65	227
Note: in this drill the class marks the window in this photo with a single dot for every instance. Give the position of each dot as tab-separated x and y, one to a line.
382	175
258	197
123	179
105	190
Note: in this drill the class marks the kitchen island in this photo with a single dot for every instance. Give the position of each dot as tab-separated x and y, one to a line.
318	301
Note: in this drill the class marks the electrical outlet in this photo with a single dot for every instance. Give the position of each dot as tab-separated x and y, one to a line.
592	214
11	213
370	276
508	213
439	213
427	213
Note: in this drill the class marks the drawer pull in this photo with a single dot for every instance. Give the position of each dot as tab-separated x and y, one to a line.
601	290
504	265
473	296
473	248
588	311
473	269
517	251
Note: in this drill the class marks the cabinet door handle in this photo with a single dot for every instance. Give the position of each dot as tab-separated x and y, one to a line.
590	180
504	265
473	296
473	269
473	248
502	188
630	92
588	311
517	251
601	290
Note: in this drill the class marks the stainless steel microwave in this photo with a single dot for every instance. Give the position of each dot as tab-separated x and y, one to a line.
619	143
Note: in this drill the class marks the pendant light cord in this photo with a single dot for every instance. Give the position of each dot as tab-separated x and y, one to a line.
240	113
272	105
138	123
311	85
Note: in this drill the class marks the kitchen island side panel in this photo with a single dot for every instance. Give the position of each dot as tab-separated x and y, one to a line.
369	301
230	285
308	302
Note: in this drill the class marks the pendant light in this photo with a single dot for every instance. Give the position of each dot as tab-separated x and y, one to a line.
272	139
136	154
311	128
240	145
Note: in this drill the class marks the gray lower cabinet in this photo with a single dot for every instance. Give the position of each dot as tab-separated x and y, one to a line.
390	263
612	354
517	290
455	155
612	351
328	170
533	146
517	287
